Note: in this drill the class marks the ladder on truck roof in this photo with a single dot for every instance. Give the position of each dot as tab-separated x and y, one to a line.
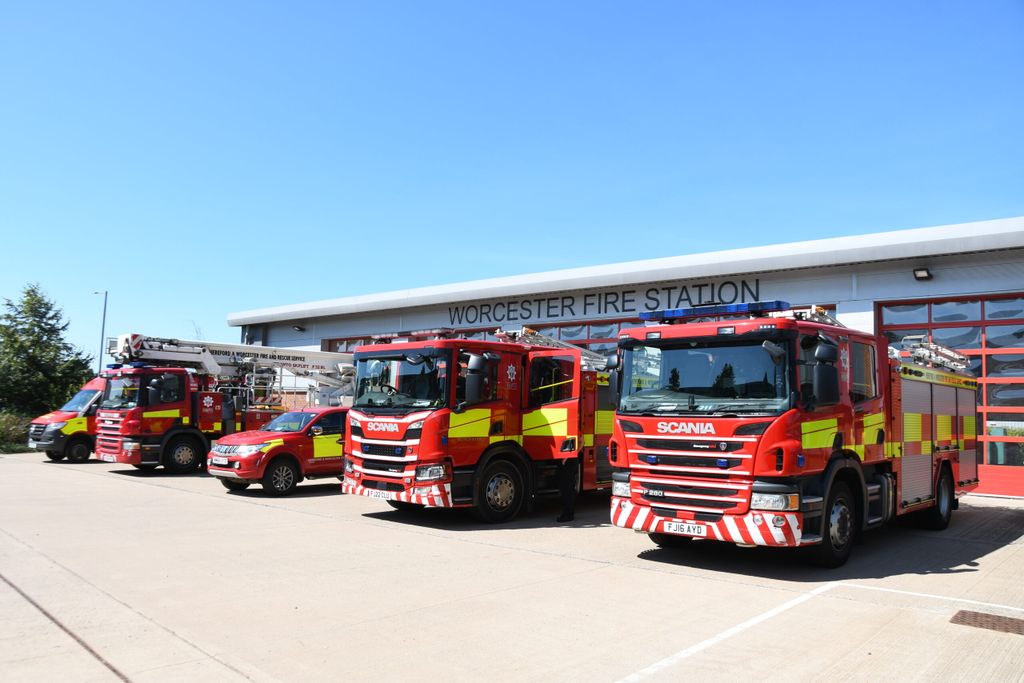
591	360
919	351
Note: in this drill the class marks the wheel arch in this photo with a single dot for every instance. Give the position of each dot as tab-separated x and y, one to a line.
509	451
846	467
282	454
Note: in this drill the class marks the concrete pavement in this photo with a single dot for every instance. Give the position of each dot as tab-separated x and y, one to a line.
110	573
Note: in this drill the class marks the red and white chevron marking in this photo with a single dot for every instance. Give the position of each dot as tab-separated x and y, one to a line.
753	528
440	495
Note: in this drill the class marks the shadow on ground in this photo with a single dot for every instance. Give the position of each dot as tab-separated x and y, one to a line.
901	548
591	511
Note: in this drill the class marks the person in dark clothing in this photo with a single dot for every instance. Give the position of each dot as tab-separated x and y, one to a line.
567	471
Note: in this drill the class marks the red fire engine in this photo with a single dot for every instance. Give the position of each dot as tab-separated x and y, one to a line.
174	396
70	431
773	427
477	424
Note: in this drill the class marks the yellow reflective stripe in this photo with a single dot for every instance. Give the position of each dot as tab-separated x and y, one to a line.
184	420
604	421
874	420
818	433
508	437
216	426
163	413
943	427
546	422
911	426
858	449
588	439
970	426
926	448
271	444
74	425
470	423
238	426
326	446
893	449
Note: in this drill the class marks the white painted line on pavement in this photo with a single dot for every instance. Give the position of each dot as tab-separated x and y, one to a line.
725	635
947	598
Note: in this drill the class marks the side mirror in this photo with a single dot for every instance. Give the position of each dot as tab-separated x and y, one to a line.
613	362
613	382
826	353
316	430
826	384
459	407
153	393
475	377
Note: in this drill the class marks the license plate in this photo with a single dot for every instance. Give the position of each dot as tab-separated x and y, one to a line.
385	495
219	460
686	529
108	458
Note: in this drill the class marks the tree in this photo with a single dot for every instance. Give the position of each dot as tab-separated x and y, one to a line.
39	370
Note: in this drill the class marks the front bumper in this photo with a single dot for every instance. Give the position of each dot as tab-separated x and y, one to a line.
428	495
248	471
757	527
49	441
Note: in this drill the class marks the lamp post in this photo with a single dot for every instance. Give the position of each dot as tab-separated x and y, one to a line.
103	332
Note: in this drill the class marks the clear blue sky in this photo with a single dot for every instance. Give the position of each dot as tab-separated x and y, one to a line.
198	158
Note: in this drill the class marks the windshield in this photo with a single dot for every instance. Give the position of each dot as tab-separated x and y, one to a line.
289	422
403	381
122	392
80	401
706	378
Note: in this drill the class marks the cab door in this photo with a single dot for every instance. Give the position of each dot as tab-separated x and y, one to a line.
326	450
551	405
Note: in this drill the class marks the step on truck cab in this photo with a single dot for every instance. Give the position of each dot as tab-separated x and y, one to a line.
758	425
295	445
70	431
476	424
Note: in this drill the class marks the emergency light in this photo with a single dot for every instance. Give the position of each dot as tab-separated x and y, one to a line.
672	314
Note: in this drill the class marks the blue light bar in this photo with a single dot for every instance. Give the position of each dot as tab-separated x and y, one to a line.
752	308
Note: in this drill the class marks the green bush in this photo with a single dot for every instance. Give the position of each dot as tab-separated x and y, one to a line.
13	433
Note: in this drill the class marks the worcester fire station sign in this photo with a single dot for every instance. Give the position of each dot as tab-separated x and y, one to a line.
613	303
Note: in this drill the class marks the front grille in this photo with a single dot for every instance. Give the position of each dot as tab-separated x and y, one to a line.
384	466
382	486
688	461
35	432
674	445
691	490
381	449
108	434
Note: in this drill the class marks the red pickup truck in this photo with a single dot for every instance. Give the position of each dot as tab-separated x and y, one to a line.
296	445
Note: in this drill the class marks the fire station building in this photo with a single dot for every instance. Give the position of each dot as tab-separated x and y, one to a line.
960	285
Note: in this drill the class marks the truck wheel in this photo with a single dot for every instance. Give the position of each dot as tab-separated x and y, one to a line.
78	450
937	517
670	541
500	493
280	477
837	542
232	485
54	455
181	455
403	506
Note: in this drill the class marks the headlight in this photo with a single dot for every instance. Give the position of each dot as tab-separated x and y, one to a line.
54	426
418	424
431	472
249	449
352	421
620	489
775	501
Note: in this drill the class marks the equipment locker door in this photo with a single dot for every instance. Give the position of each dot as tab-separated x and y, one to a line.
551	411
325	451
915	479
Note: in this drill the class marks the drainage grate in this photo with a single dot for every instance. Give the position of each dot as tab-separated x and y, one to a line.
989	621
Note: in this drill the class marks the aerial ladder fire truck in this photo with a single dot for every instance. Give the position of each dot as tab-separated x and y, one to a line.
167	399
758	425
476	424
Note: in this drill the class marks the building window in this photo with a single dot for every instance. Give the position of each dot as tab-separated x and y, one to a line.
990	332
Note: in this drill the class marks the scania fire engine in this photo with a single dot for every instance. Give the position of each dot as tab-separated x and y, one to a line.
762	426
169	398
70	431
476	424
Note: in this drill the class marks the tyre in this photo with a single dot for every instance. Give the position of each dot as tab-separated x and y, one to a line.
54	455
937	517
181	455
840	527
669	541
234	484
78	450
403	506
280	477
500	492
